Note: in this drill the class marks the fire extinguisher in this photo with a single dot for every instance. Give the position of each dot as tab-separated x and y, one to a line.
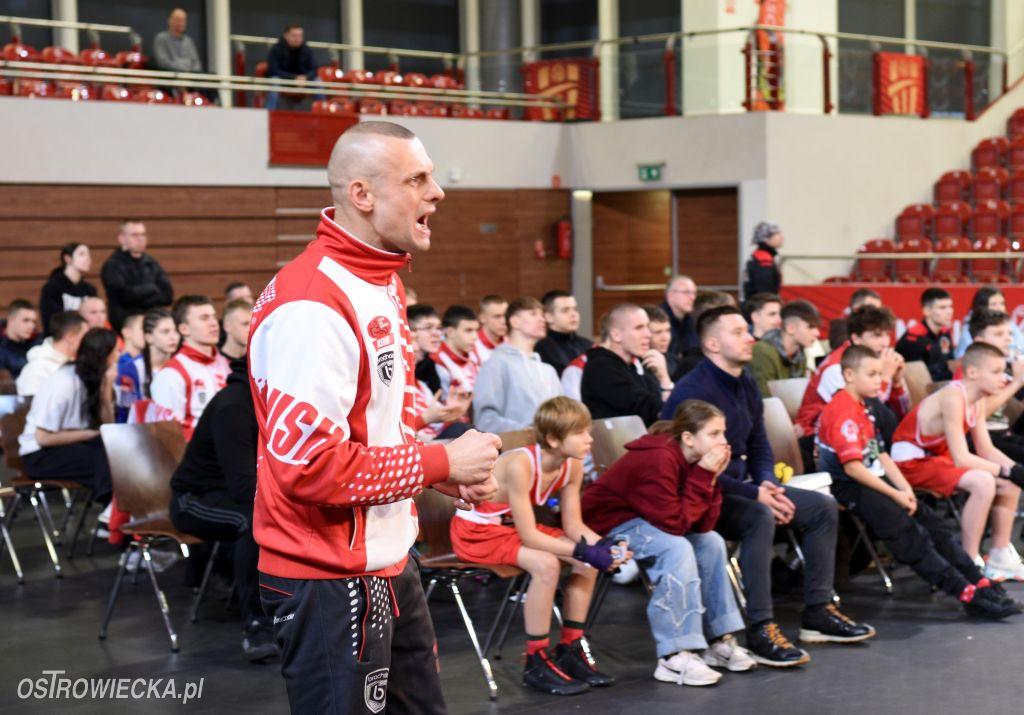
563	239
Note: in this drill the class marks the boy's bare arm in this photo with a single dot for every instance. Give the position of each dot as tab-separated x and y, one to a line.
952	407
518	480
572	512
893	472
984	447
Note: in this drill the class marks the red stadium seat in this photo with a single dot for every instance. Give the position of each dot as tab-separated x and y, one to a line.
33	88
115	93
465	112
130	59
372	106
17	52
193	99
1015	187
387	77
95	57
991	270
951	219
346	107
1015	227
5	86
951	270
990	217
989	183
1015	124
874	270
912	270
330	73
415	79
152	96
915	221
59	56
837	279
1015	155
358	77
953	186
75	91
432	109
497	113
442	81
404	108
990	152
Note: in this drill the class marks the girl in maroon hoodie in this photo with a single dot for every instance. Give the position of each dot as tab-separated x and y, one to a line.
663	496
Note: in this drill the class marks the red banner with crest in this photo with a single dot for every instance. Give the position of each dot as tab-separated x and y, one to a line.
899	84
571	80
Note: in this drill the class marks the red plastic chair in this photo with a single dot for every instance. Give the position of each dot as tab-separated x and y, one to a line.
130	59
1015	124
837	279
75	91
33	88
345	107
990	217
915	221
442	81
991	270
115	93
330	73
951	270
389	77
5	87
372	106
1015	225
951	219
415	79
462	111
1015	155
497	113
989	183
95	57
17	52
152	96
358	77
953	186
874	270
59	56
431	109
990	152
912	270
193	99
1015	187
404	108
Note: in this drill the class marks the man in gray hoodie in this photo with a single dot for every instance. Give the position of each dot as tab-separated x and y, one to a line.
513	383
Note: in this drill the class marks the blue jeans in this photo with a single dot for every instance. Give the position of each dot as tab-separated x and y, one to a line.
692	591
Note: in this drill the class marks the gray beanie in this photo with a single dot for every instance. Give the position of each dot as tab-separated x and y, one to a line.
764	231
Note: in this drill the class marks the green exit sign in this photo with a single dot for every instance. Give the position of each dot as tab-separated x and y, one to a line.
649	172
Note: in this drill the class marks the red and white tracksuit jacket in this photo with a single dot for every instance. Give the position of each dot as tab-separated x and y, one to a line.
484	346
332	376
456	371
185	386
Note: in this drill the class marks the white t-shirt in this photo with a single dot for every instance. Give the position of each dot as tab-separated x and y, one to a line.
57	406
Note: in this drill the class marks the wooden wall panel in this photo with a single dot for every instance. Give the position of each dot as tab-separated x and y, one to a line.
632	234
145	202
707	222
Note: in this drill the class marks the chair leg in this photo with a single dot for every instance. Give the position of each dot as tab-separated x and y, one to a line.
86	506
161	599
600	591
951	505
33	499
9	545
737	587
430	588
44	502
122	566
92	539
520	597
194	614
864	537
795	543
69	507
485	665
501	612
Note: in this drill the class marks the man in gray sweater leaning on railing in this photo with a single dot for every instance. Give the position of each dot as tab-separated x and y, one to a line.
173	50
514	382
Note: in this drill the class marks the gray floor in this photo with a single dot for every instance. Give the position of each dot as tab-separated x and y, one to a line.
927	658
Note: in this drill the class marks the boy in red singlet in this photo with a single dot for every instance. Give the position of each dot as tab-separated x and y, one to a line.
505	532
931	450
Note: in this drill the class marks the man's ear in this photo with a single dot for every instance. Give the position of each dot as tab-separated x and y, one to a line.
360	194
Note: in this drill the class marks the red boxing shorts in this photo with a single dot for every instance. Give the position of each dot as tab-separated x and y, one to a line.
491	544
937	474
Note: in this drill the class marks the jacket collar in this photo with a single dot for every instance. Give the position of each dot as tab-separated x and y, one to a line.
200	357
371	264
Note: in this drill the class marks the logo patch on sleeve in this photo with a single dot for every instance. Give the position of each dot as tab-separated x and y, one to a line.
386	367
375	691
380	330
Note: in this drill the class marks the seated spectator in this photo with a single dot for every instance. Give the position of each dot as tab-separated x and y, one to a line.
754	502
66	331
94	310
173	50
66	287
131	366
62	438
705	301
505	531
161	342
611	385
764	312
212	493
197	372
132	278
514	382
837	331
19	336
456	364
435	419
931	340
291	58
562	344
680	294
992	327
930	448
987	298
867	482
779	354
493	326
661	336
238	291
762	274
663	497
236	319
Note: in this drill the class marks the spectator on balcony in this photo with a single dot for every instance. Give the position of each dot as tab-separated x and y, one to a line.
173	50
291	58
762	274
133	279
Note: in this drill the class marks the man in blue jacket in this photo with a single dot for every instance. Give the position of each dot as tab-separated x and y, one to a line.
754	501
291	58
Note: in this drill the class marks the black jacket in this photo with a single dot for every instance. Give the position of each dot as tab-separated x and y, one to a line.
684	335
762	274
612	388
560	349
934	349
60	294
13	353
134	284
222	453
288	63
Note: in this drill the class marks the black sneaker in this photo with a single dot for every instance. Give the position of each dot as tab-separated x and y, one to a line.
827	624
258	641
768	646
542	674
998	592
575	661
988	604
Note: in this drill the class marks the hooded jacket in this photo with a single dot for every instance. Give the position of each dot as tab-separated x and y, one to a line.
43	361
612	388
60	293
770	361
134	284
652	481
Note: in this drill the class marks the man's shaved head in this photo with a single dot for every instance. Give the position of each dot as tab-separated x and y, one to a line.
382	186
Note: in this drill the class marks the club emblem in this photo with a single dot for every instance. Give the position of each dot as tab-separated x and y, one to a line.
386	367
375	691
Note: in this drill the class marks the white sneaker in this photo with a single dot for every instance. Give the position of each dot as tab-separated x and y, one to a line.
980	563
685	668
727	653
628	573
162	560
1004	564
